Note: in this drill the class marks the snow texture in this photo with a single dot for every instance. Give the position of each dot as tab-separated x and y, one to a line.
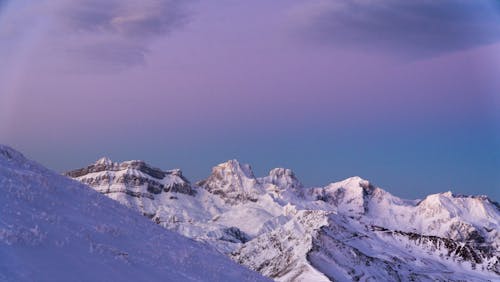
344	231
55	229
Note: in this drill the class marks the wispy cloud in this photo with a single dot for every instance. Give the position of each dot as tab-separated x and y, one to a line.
406	28
138	19
117	32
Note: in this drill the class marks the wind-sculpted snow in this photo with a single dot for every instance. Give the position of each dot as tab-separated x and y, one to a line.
205	214
344	231
56	229
282	253
347	249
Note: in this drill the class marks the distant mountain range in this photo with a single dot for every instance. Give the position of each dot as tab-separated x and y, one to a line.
55	229
345	231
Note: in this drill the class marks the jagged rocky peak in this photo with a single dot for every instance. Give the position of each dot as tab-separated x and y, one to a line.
283	179
131	177
282	253
106	164
234	167
101	164
233	181
104	161
44	215
231	170
176	172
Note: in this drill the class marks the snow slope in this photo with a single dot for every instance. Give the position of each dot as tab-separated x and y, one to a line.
207	214
347	230
452	216
55	229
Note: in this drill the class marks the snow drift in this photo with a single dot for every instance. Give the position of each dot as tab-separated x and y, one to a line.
56	229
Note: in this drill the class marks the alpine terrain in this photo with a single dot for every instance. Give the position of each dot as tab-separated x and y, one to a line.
345	231
55	229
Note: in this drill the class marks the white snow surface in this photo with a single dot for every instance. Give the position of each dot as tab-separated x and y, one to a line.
347	230
55	229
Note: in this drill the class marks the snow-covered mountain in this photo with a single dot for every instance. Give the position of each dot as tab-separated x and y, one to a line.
213	214
348	230
55	229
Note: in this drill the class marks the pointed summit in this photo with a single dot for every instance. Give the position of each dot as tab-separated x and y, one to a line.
352	195
45	215
234	181
356	182
104	161
235	167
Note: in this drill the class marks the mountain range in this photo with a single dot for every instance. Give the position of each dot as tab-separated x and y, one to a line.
350	230
53	228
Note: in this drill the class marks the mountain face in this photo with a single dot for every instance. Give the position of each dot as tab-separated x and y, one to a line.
234	182
129	175
344	231
133	183
55	229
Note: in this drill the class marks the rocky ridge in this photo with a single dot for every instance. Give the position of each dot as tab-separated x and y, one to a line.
56	229
275	225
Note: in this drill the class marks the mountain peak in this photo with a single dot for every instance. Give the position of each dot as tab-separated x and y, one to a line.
104	161
283	178
234	166
354	183
450	205
44	215
233	181
354	180
436	199
447	194
280	171
352	195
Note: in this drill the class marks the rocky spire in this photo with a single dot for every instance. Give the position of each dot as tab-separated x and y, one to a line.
233	181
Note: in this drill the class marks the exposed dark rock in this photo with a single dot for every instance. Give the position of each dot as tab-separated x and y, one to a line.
471	251
476	237
184	188
155	189
103	166
321	256
334	199
152	181
234	235
6	154
139	194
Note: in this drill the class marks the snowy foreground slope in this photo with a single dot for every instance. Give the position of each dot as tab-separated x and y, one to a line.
55	229
348	230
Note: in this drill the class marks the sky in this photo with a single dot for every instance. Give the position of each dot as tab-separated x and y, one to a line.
405	94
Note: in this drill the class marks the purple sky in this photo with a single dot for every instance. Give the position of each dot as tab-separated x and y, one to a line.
405	94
